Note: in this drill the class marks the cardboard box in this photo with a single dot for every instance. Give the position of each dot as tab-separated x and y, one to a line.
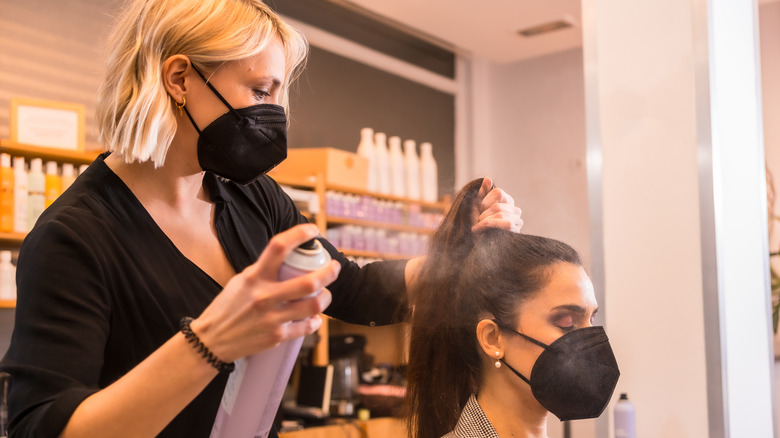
337	167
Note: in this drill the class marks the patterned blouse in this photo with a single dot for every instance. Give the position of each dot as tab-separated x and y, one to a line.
473	423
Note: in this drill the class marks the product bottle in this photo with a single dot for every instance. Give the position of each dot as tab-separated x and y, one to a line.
6	194
36	187
366	149
382	163
429	174
20	195
397	176
82	168
53	183
412	170
7	277
68	175
256	386
625	418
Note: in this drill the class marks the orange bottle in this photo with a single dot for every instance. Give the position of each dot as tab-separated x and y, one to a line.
53	183
6	194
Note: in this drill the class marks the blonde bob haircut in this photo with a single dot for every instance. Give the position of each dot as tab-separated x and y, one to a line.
137	117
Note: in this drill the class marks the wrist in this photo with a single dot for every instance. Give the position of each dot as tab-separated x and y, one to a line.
192	336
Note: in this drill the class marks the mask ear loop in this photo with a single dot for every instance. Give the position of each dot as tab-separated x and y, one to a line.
545	346
516	372
232	110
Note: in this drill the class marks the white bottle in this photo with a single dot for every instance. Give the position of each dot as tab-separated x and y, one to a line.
20	196
36	190
7	277
382	163
625	418
429	174
68	175
82	168
366	149
397	177
412	170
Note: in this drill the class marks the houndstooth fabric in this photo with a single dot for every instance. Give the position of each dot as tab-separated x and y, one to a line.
473	423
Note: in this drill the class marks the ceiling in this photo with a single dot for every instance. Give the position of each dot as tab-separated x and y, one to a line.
487	28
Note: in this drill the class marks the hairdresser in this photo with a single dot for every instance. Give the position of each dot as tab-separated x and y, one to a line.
516	340
179	220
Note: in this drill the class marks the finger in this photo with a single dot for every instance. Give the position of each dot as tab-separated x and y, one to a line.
303	327
484	189
505	210
496	196
299	288
282	244
514	225
304	308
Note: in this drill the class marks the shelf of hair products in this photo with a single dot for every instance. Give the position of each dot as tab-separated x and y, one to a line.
383	206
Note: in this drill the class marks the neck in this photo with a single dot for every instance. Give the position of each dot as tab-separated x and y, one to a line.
512	410
177	183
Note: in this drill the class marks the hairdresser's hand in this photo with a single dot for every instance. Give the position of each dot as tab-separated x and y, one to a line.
255	311
497	209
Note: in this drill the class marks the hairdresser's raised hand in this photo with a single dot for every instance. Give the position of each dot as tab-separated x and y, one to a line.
255	311
497	209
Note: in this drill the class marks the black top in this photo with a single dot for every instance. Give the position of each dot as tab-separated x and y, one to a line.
100	287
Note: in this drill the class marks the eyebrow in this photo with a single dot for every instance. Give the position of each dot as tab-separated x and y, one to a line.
276	82
573	308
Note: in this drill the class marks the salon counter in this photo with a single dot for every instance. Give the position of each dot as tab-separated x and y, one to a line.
375	428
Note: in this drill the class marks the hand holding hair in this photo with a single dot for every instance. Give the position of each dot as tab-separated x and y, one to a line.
496	209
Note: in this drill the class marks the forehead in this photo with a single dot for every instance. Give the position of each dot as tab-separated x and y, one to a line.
567	284
269	62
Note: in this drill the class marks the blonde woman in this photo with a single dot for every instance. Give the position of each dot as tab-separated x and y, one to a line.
179	221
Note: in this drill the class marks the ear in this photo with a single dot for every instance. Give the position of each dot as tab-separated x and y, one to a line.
175	70
490	339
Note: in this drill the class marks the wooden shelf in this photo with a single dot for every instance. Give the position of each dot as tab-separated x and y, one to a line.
47	154
382	225
7	304
11	239
442	206
374	428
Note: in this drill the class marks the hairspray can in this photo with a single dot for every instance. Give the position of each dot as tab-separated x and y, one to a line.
625	418
256	386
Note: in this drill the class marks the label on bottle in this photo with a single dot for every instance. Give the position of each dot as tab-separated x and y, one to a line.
234	385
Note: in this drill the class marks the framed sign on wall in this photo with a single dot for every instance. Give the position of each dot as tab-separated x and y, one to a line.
47	123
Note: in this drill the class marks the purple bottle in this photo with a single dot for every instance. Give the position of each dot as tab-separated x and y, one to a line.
255	388
625	418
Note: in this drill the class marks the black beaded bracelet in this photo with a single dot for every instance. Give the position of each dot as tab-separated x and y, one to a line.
192	338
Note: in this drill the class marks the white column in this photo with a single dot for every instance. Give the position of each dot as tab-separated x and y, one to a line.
677	190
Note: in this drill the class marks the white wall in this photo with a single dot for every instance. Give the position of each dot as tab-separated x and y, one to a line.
537	149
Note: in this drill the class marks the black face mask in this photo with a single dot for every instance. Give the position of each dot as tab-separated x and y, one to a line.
242	144
575	376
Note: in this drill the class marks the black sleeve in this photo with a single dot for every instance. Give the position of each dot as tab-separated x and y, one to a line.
61	327
372	295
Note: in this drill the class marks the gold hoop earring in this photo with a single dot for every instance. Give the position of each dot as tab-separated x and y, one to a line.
180	106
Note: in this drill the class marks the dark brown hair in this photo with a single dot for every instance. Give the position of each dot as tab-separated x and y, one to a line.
466	275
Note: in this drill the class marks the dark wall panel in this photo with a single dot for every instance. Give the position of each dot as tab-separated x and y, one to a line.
336	97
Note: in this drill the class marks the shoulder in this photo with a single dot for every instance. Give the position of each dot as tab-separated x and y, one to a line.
473	422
